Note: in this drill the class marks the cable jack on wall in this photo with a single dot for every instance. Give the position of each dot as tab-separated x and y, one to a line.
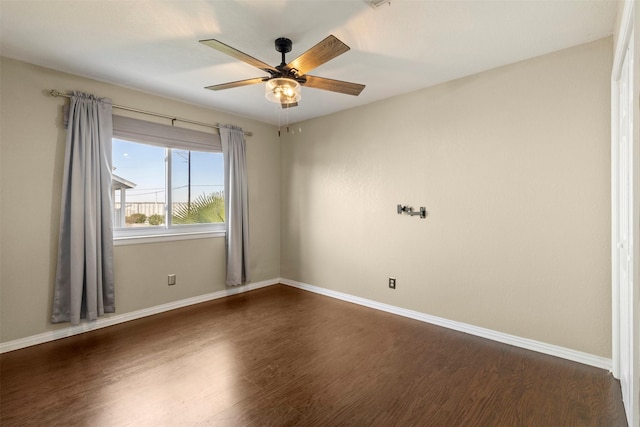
409	211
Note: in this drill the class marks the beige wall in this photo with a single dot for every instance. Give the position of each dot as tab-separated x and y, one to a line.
32	154
513	166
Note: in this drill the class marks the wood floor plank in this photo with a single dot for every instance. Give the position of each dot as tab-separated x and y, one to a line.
282	356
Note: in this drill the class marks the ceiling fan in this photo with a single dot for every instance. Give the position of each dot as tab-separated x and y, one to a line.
284	80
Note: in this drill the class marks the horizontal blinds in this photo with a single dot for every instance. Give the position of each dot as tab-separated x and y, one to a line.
162	135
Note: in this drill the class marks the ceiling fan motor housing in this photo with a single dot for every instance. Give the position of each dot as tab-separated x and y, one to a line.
283	45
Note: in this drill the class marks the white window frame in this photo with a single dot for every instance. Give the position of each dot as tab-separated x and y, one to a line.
168	137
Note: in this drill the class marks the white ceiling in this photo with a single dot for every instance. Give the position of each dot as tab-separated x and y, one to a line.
398	48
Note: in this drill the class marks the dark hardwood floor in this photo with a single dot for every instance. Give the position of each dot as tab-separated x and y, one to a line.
283	356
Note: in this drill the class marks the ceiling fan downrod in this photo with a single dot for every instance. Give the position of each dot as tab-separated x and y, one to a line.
283	45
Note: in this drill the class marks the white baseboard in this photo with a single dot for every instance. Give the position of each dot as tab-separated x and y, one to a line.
540	347
115	319
529	344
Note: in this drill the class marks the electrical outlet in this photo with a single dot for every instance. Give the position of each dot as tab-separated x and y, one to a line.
172	279
392	282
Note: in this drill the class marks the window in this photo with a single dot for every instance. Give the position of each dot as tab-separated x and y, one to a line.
163	187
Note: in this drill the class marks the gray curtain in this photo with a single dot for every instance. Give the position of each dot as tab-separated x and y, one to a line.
236	204
84	275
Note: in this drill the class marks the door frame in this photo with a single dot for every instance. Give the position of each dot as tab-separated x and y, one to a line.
624	47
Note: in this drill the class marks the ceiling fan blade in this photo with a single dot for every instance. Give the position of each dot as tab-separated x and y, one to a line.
217	45
237	84
293	104
323	52
333	85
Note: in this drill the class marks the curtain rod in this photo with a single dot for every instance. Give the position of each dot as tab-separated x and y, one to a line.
150	113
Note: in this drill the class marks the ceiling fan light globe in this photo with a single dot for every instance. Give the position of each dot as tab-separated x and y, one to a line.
281	90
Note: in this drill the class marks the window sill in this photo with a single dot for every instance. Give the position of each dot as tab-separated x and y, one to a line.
165	237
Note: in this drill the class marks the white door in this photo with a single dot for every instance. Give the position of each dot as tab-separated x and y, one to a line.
624	234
